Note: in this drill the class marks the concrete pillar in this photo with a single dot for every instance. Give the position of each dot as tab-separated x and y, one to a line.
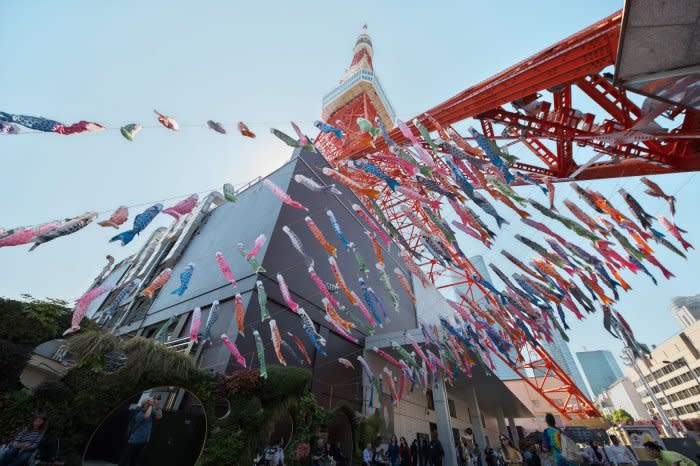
444	424
501	421
475	417
514	431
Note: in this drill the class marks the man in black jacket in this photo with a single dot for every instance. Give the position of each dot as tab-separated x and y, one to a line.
423	452
435	450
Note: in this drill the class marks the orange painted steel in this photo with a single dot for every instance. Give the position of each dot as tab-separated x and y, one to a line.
550	130
576	61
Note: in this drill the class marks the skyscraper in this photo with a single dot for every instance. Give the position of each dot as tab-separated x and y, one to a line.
559	350
686	309
600	369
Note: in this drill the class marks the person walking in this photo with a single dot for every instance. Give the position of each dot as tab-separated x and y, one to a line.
338	455
552	443
392	451
477	455
278	459
511	455
367	455
491	458
405	457
379	458
467	455
414	452
424	452
595	455
666	457
435	451
618	454
25	443
140	431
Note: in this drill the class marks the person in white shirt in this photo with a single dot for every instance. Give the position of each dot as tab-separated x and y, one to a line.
618	454
367	455
278	460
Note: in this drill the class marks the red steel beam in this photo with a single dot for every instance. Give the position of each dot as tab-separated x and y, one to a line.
586	52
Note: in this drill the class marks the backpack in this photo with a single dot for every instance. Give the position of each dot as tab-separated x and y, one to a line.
569	449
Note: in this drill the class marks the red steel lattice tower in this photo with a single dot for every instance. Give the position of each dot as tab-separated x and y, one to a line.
360	94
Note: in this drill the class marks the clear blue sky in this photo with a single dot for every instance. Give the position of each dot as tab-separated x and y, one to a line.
265	63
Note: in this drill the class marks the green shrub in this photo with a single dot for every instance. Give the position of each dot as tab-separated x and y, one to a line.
13	358
222	447
85	396
33	321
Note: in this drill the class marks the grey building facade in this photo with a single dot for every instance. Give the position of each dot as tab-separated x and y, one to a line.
217	225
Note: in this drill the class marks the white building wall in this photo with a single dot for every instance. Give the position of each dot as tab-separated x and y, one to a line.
622	395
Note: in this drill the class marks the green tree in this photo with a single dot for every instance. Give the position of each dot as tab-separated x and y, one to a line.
26	324
33	321
620	416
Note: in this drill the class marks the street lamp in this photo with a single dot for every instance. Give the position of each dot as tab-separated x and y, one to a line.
666	398
668	427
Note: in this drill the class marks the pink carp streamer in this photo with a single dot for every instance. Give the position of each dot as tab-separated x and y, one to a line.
82	304
225	268
23	235
419	352
322	287
416	196
286	295
233	349
346	363
365	312
283	196
119	216
386	356
257	245
167	121
196	324
183	207
371	223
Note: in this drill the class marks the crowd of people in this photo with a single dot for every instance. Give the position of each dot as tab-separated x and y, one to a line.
400	453
555	449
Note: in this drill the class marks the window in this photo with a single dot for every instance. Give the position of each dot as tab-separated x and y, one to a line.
451	406
429	399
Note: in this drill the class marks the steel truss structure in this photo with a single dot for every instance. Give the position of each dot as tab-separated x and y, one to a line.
514	99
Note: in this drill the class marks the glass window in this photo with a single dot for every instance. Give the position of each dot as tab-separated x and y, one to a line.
451	406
